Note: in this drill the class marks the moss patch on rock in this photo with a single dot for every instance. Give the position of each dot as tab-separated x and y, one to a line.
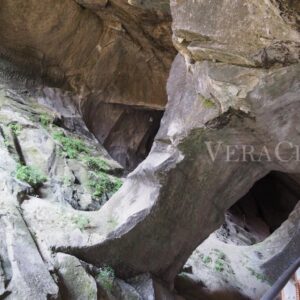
31	175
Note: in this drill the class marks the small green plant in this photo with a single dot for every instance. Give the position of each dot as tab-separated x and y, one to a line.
106	277
70	146
31	175
81	221
101	184
95	163
15	128
206	260
45	120
208	103
219	265
258	276
117	184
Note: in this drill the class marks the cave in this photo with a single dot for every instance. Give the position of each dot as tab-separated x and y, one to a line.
262	210
106	182
126	132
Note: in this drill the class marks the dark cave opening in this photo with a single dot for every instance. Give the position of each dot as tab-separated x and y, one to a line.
262	210
126	132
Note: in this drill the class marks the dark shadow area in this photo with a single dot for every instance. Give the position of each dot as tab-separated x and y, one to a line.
262	210
126	132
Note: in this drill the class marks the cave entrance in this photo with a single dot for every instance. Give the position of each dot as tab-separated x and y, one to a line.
262	210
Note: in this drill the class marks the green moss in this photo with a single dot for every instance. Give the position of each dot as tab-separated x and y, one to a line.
95	164
80	221
71	147
45	120
31	175
106	277
15	128
208	103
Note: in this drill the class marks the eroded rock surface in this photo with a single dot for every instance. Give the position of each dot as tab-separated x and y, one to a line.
92	49
28	137
257	33
114	55
235	82
244	107
208	102
59	212
249	269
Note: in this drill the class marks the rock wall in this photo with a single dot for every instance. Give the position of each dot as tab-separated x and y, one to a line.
235	82
218	99
110	52
254	34
92	50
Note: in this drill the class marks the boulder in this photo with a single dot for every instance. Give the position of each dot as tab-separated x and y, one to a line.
75	282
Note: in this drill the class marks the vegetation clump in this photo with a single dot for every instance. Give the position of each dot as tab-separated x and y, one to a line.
220	262
208	103
103	185
72	147
106	277
45	120
15	128
81	221
258	276
206	259
217	260
95	164
219	265
30	175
